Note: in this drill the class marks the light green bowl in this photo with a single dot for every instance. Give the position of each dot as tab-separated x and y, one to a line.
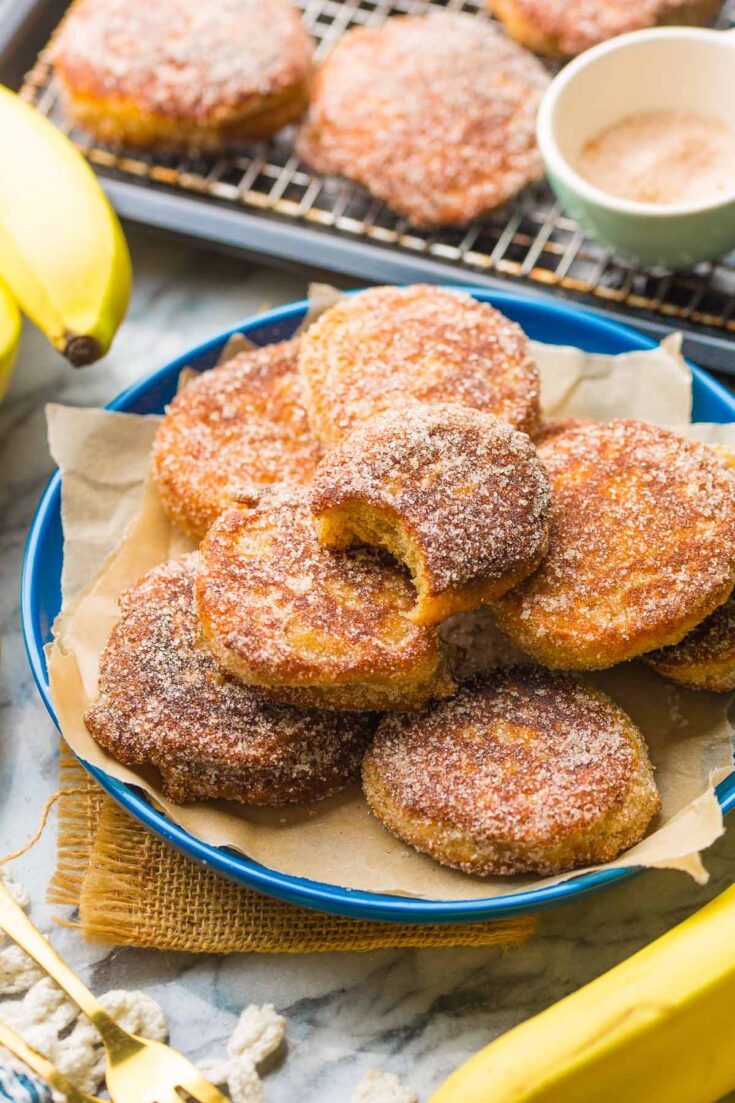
666	69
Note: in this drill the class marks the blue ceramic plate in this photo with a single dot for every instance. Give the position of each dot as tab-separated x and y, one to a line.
542	320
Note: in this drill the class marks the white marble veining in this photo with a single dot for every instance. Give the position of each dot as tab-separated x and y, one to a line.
416	1013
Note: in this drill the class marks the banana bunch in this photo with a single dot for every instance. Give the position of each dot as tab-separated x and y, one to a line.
656	1029
63	257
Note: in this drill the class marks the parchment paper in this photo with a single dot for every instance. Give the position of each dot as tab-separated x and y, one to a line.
338	841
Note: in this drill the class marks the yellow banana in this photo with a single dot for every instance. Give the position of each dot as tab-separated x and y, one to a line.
62	251
10	326
656	1029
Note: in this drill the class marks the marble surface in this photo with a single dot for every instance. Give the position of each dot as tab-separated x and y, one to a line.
416	1013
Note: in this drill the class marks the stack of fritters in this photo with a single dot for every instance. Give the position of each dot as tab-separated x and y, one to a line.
354	489
433	114
207	78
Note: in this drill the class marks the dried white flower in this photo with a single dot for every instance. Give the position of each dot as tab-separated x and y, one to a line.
45	1003
259	1033
137	1012
215	1070
83	1062
243	1083
377	1086
17	971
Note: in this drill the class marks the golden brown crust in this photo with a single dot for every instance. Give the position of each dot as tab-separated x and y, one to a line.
433	114
642	546
456	494
390	346
524	771
725	455
305	623
705	658
555	426
563	28
378	696
163	702
242	423
119	121
179	74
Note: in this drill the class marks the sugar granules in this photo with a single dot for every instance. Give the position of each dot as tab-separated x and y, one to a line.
663	157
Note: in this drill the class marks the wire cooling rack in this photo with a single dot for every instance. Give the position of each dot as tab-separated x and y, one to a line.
265	200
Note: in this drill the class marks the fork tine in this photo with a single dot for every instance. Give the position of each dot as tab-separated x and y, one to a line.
138	1070
201	1089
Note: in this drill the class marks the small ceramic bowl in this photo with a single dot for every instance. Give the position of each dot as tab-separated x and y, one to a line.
666	69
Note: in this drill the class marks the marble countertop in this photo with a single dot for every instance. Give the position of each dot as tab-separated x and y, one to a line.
416	1013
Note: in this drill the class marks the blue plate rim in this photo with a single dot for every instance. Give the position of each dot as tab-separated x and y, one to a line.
315	894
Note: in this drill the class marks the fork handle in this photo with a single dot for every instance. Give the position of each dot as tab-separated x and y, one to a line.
40	1065
15	923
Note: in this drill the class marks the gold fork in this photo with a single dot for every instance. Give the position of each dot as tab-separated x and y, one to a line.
43	1067
138	1070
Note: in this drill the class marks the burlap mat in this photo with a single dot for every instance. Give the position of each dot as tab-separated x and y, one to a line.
132	889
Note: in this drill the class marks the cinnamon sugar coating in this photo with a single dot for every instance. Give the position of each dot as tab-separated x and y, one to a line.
563	28
308	624
522	771
705	658
243	422
391	346
182	74
454	493
642	546
163	702
435	114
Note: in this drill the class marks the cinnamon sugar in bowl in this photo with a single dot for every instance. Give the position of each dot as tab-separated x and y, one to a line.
638	138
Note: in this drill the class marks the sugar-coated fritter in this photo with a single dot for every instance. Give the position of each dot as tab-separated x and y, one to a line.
434	114
307	624
563	28
163	702
241	423
457	495
390	346
642	546
523	771
180	75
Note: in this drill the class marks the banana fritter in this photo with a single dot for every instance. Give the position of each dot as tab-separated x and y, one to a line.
243	422
642	546
307	624
390	346
523	771
434	114
163	702
173	75
457	495
563	28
